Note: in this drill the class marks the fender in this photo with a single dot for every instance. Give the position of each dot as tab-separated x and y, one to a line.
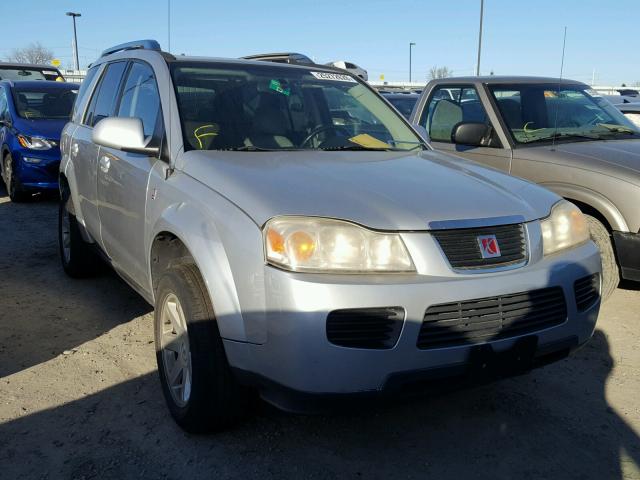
592	198
211	251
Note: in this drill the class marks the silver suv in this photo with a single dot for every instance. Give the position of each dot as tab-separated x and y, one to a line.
298	239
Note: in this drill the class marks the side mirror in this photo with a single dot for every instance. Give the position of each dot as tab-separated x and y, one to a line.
470	133
124	134
422	131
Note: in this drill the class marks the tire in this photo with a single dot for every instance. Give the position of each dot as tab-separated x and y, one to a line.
198	385
77	257
15	192
610	273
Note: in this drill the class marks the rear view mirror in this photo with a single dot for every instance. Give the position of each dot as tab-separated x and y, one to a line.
470	133
124	134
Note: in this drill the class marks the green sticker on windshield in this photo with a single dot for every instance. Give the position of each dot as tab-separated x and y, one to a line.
277	86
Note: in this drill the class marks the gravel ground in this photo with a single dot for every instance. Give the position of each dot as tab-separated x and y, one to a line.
80	398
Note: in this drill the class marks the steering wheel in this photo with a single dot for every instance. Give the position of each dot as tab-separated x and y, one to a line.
318	130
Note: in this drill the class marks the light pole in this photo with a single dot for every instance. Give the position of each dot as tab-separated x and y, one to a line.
411	45
75	40
480	38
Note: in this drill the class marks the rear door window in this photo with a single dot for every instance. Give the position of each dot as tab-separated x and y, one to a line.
105	96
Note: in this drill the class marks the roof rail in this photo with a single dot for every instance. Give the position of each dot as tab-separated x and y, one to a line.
285	57
137	44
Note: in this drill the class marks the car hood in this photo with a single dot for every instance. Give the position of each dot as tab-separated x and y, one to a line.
617	158
40	128
382	190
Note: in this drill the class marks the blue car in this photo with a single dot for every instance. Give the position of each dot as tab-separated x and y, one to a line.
32	115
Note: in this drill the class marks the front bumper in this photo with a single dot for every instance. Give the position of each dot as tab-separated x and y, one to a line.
628	252
37	176
298	357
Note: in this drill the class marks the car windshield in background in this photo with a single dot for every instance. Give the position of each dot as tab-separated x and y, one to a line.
45	103
19	74
540	113
254	108
403	103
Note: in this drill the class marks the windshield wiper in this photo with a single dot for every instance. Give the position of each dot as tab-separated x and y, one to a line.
615	128
558	135
249	148
359	147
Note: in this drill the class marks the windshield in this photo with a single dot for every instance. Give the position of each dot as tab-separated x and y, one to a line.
253	108
541	113
17	74
45	103
404	104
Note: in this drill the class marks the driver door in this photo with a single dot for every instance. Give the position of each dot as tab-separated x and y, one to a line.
449	105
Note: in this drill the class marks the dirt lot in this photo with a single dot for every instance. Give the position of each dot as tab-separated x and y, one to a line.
79	397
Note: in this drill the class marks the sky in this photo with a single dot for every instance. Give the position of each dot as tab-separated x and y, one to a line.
520	37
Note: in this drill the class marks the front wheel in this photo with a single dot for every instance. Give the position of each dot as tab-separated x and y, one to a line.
198	385
16	194
610	273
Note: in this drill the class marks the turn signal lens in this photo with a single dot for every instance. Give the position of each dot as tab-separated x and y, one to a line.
275	241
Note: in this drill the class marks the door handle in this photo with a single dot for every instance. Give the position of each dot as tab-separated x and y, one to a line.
74	149
105	163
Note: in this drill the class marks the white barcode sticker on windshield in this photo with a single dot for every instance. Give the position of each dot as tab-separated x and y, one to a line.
333	76
49	72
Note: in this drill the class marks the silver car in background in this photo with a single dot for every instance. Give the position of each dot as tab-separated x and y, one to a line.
298	239
351	68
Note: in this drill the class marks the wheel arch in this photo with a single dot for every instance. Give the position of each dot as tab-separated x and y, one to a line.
171	243
591	203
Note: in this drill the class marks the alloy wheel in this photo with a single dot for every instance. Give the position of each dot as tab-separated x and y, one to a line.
176	354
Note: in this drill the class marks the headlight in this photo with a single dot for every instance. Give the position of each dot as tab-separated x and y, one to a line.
566	227
35	143
310	244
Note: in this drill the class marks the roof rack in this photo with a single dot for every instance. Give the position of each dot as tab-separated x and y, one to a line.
137	44
291	58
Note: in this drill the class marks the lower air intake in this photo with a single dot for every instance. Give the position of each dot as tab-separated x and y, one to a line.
375	328
493	318
587	291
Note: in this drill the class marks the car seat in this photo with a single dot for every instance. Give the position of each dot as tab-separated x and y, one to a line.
445	116
270	126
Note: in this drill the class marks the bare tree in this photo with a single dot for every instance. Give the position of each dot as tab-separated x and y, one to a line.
33	53
439	72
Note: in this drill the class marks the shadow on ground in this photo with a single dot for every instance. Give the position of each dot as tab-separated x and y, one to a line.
31	276
553	423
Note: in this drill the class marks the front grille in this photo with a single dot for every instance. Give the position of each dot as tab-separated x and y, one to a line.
377	328
463	251
484	319
587	291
